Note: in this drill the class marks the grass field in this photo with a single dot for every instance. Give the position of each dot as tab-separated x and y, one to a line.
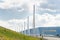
6	34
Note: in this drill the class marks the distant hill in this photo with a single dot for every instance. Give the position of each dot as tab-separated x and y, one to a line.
44	30
6	34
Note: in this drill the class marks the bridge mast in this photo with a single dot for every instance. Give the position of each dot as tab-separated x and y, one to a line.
34	20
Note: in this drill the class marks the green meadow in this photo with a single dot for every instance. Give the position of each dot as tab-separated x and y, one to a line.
6	34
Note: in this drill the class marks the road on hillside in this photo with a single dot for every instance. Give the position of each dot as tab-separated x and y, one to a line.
51	38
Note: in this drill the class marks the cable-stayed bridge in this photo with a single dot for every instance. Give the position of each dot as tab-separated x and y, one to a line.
45	31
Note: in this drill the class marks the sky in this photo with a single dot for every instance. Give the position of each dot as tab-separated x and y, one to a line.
14	13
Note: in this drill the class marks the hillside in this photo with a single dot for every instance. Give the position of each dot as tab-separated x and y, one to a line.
6	34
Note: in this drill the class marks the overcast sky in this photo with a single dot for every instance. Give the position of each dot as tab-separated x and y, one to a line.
13	13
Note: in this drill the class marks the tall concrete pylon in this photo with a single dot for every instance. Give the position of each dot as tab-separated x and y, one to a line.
24	28
28	25
34	33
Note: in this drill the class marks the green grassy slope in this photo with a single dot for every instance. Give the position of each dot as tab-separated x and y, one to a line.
6	34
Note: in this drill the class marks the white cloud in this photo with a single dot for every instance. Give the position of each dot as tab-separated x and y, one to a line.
47	9
44	20
11	3
18	3
48	20
21	10
16	20
36	2
4	23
